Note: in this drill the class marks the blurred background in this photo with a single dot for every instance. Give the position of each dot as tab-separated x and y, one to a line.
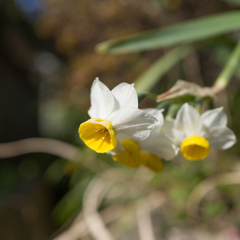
47	64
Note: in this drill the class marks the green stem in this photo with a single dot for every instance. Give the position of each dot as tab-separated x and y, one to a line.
152	96
228	70
198	104
172	111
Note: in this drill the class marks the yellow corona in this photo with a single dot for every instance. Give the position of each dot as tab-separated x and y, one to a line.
133	157
195	148
98	135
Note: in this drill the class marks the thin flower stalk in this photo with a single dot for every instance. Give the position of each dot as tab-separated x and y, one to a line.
228	70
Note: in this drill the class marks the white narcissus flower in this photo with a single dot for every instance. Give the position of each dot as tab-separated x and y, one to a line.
147	152
114	112
195	134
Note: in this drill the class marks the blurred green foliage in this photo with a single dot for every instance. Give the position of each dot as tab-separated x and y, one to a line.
72	29
182	33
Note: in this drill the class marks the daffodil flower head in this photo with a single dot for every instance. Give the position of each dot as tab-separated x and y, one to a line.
98	134
147	152
196	134
114	112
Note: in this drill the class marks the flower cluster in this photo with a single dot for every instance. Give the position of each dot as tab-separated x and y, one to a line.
137	137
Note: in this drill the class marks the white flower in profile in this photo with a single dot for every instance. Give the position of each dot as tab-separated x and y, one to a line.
114	112
147	152
195	134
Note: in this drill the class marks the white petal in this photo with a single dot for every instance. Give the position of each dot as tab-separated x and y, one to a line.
171	132
214	118
221	137
178	137
188	121
133	122
160	145
126	95
167	127
158	115
122	136
102	100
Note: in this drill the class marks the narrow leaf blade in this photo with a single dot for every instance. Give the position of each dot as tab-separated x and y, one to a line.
154	74
185	32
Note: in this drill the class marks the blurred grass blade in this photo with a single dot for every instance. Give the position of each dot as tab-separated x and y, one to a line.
229	69
164	104
221	53
142	96
149	78
184	32
237	2
70	202
172	111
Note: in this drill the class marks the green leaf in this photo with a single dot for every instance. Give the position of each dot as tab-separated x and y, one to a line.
163	104
228	70
237	2
173	109
70	202
149	78
141	97
221	53
185	32
55	171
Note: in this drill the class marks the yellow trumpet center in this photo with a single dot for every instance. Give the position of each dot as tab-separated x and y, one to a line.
152	162
98	135
131	156
195	148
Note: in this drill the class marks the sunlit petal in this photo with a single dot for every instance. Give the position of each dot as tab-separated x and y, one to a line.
167	127
126	95
133	122
102	100
188	121
221	138
214	118
158	115
160	145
